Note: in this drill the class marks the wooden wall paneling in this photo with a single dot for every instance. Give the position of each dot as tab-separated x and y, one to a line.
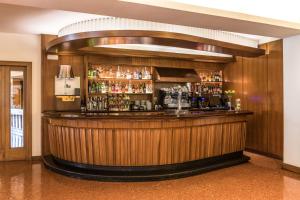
78	65
233	78
260	81
48	71
154	62
256	100
48	87
275	98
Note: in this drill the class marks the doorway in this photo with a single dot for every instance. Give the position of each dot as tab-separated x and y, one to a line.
15	111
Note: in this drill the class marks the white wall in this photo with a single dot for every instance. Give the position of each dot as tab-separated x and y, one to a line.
291	61
27	48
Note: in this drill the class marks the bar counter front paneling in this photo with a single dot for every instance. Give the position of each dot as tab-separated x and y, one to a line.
146	145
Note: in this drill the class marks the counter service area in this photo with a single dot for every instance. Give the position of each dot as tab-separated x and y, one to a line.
122	114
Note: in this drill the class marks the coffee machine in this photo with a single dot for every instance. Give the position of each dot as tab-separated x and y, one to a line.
168	97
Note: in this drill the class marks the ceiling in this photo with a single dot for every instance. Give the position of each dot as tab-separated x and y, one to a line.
48	16
19	19
287	10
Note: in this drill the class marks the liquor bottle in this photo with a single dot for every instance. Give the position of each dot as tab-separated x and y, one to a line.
135	74
104	102
83	105
89	73
94	73
140	75
118	73
92	88
125	88
103	88
109	88
146	74
89	87
113	88
128	75
99	105
130	90
144	88
97	87
88	104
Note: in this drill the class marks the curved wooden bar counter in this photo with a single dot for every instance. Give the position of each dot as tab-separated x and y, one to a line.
152	144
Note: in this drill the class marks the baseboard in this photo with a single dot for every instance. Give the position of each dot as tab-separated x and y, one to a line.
291	168
143	173
264	153
36	158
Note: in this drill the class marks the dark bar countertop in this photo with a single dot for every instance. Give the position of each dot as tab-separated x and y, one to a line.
169	114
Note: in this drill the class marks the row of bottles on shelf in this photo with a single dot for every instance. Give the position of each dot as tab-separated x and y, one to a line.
96	103
95	87
108	72
117	102
211	89
211	77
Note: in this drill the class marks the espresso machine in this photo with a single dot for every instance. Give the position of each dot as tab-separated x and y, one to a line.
169	98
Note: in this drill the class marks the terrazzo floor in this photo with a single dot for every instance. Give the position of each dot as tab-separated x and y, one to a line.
261	178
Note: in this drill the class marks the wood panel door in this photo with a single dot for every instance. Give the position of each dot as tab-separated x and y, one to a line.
15	123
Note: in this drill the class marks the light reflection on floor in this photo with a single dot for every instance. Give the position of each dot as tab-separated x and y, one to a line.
262	178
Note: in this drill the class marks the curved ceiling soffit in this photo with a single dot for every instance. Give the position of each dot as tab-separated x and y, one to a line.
78	41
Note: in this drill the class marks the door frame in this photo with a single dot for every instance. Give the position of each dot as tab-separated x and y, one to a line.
27	105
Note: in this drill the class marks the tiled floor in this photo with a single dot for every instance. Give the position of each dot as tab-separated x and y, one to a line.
261	178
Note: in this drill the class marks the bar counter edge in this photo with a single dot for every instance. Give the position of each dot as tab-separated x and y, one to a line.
145	146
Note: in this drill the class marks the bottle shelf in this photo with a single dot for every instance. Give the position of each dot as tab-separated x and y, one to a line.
99	94
119	79
212	82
